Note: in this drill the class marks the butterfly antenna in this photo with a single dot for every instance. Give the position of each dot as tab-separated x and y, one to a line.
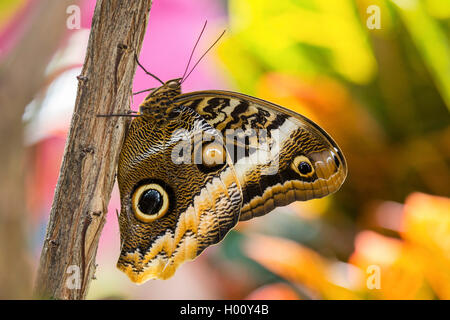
146	90
193	50
150	74
132	114
118	115
184	79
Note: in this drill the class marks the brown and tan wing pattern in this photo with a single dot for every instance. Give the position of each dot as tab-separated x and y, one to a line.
279	156
171	209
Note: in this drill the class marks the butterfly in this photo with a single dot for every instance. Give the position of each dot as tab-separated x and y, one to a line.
192	165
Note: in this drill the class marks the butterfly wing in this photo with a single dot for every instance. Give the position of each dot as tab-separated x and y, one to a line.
172	206
279	156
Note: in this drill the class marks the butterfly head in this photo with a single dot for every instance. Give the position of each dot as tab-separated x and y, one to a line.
160	98
172	87
169	89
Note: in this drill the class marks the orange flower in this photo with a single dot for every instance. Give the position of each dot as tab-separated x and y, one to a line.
393	268
426	225
298	264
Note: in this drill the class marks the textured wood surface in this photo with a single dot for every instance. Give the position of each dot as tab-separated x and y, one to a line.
22	75
88	170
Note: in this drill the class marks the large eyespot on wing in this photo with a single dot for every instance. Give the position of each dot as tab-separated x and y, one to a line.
172	208
308	165
149	202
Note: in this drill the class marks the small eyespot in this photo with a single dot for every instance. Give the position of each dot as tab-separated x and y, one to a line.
304	168
209	156
302	165
150	202
213	154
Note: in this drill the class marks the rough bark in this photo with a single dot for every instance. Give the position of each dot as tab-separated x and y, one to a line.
21	77
88	169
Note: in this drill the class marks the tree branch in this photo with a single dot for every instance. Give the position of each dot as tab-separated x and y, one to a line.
88	170
21	77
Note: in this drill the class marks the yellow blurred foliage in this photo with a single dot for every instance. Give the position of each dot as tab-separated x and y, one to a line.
312	209
8	8
330	26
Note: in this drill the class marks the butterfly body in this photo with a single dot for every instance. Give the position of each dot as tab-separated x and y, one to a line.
193	165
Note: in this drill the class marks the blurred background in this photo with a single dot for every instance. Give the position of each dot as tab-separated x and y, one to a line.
375	74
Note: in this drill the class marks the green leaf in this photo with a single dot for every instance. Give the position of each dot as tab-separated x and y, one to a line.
431	41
